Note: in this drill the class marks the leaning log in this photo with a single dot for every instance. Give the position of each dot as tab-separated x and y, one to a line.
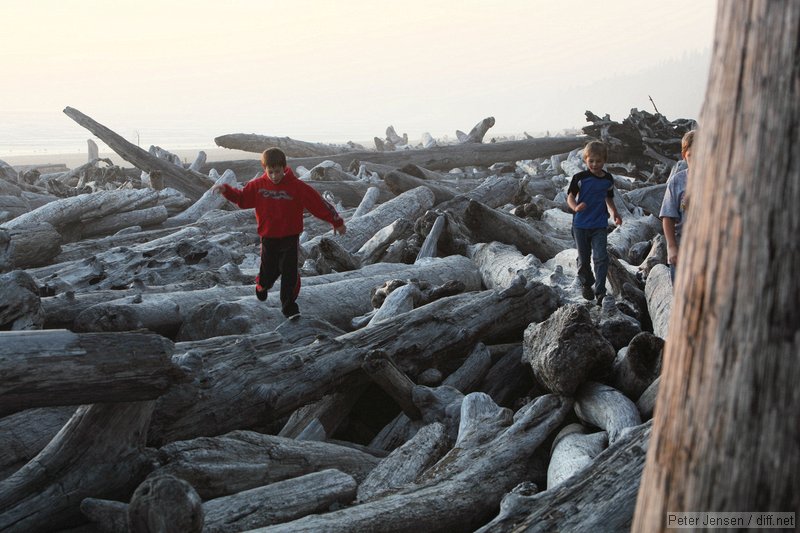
602	497
58	367
493	452
99	453
192	184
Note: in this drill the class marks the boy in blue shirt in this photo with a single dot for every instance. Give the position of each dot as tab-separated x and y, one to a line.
673	206
591	197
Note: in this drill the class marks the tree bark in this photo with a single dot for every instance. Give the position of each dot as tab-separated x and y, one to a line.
725	431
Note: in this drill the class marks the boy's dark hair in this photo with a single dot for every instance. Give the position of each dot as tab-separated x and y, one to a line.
596	148
273	158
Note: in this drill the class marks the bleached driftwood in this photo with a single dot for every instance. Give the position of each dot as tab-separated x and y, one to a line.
601	497
283	381
605	407
192	184
658	290
573	449
98	453
21	308
90	370
477	133
210	200
291	147
489	452
243	460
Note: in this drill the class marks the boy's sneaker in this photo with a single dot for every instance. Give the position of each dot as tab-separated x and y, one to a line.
261	292
587	292
290	310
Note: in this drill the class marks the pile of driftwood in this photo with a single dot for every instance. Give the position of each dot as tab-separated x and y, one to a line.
445	373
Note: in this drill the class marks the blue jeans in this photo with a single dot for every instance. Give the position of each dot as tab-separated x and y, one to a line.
592	245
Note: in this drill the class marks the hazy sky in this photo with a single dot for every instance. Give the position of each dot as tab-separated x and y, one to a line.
337	71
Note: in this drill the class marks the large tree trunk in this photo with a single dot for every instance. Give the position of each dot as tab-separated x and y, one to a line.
725	432
250	142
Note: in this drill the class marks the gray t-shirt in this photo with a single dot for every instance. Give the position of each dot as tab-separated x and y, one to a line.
674	203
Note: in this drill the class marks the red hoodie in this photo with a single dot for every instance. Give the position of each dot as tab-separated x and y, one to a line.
279	208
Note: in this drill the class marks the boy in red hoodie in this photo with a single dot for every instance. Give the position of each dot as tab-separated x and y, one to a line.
279	199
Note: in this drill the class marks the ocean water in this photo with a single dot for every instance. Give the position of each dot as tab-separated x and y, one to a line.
33	133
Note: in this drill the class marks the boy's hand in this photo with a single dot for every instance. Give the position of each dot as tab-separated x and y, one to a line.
341	230
580	207
672	255
216	188
617	219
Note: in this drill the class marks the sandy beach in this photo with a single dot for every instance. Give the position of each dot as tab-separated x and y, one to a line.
76	159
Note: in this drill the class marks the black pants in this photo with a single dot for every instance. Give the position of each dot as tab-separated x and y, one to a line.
279	260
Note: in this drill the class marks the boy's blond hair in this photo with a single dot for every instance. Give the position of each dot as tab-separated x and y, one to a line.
273	158
595	148
686	142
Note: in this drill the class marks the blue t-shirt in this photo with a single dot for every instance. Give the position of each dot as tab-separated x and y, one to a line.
593	191
674	203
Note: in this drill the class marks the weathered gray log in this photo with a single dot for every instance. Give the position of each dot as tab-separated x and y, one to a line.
648	198
108	515
192	184
573	449
165	503
499	264
478	131
367	202
489	225
98	453
21	308
58	367
567	350
428	248
464	380
382	370
279	502
337	302
250	142
417	171
656	256
12	206
333	257
406	463
371	251
607	408
25	434
658	290
399	182
435	158
150	216
64	214
637	365
199	161
401	300
509	379
410	204
647	401
210	200
280	382
493	454
242	460
633	229
27	246
329	412
167	301
602	497
328	171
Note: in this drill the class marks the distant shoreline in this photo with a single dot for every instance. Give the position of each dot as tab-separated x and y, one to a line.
75	159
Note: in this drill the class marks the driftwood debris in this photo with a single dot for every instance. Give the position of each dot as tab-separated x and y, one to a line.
291	147
441	358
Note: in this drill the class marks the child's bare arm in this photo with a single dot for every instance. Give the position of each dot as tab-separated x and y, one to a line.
613	210
573	204
668	225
